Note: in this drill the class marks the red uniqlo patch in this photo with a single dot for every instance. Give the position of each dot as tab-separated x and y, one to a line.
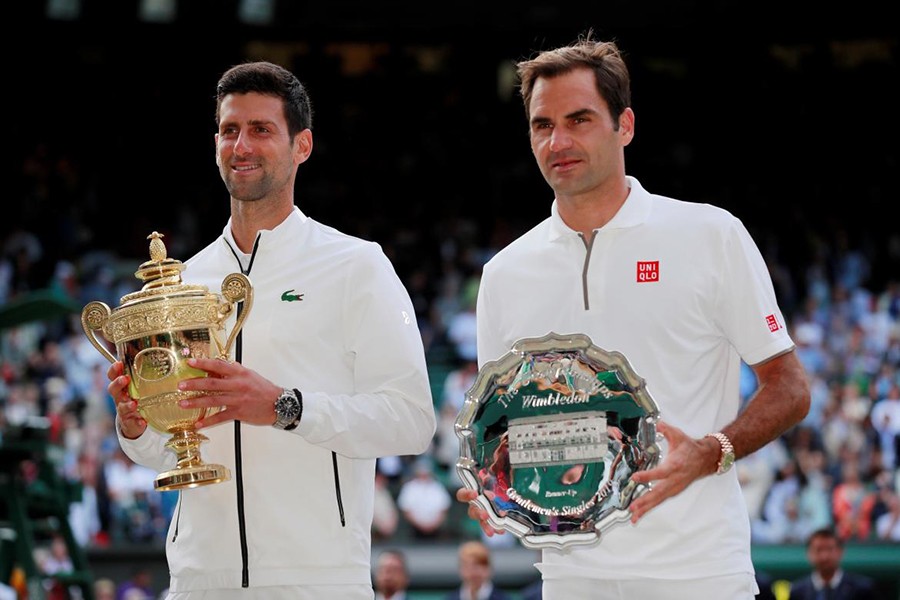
647	270
773	323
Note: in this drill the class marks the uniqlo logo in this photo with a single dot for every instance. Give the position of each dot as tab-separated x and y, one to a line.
647	271
773	323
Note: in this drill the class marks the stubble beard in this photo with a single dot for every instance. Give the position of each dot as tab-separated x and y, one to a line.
247	191
571	185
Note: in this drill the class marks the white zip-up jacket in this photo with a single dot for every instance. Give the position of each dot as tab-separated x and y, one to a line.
331	318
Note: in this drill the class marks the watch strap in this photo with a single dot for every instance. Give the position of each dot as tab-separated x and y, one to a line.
293	424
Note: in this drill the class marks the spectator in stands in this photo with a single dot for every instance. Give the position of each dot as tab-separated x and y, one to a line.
796	506
104	589
887	524
885	418
424	501
884	524
139	585
391	575
461	331
756	474
852	504
52	561
824	551
476	575
385	516
457	383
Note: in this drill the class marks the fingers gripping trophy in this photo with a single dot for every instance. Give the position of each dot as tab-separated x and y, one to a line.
155	331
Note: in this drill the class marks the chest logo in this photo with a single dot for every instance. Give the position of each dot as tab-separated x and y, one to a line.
647	271
290	296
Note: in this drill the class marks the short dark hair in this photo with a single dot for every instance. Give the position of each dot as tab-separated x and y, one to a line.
603	58
827	533
272	80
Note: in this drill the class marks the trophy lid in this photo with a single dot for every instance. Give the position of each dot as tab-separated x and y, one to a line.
160	270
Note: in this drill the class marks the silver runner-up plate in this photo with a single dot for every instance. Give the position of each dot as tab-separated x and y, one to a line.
550	435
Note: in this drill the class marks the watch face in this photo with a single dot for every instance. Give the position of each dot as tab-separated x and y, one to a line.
287	408
727	462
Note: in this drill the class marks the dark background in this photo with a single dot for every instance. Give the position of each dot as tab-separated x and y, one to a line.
784	113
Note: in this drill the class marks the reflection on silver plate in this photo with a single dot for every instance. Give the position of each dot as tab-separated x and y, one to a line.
550	435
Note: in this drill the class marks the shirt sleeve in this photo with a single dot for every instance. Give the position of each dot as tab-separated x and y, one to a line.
747	309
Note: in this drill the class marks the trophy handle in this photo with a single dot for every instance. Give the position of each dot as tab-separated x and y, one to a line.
93	318
236	288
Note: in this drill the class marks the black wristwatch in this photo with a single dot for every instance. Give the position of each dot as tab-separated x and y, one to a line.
288	409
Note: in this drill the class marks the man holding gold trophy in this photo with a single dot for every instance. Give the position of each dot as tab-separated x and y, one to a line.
618	296
327	374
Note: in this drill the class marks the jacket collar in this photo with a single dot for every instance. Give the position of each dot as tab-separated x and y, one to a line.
288	228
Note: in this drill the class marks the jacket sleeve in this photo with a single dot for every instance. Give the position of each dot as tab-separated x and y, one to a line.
149	450
391	411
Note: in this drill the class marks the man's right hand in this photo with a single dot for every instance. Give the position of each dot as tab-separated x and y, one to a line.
476	512
131	423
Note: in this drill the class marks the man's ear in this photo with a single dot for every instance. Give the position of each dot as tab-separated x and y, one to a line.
626	126
303	145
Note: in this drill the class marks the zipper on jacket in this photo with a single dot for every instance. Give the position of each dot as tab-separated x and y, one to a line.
337	488
588	245
177	517
238	465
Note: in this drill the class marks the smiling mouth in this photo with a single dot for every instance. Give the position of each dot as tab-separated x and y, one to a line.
244	168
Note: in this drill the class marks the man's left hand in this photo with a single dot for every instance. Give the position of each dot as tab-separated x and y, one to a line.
245	395
687	460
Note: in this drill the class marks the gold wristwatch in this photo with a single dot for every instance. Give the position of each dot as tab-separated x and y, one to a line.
726	457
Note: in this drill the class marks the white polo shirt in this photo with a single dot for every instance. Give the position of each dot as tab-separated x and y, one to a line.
682	291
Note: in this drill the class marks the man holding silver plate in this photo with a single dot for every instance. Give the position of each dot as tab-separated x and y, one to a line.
606	414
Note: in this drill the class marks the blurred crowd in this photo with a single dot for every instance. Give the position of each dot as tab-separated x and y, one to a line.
840	466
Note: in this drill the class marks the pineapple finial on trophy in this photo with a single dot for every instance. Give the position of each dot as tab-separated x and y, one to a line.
157	247
160	270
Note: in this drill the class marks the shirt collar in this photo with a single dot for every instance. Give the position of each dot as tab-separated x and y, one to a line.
632	213
484	592
819	583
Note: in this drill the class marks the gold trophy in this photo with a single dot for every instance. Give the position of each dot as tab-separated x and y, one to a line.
155	331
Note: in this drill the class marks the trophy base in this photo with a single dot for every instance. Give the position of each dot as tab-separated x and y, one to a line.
191	477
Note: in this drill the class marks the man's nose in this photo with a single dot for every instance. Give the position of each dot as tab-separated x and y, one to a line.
242	145
560	139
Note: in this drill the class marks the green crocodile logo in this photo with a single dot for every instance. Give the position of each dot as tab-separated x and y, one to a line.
289	297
